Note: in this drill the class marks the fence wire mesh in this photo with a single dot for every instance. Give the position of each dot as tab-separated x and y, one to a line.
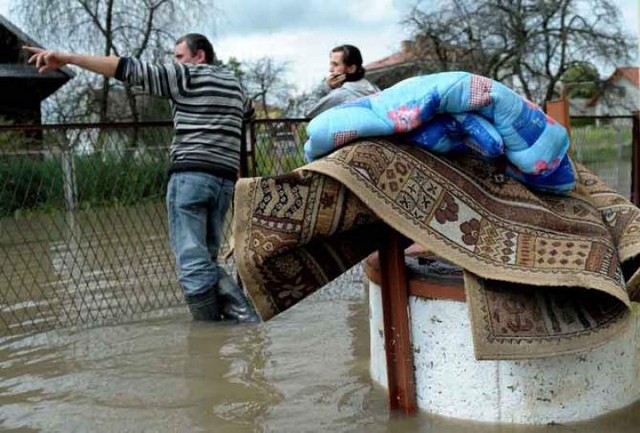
277	146
604	145
83	228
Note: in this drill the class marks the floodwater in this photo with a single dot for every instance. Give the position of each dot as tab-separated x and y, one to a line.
307	370
304	371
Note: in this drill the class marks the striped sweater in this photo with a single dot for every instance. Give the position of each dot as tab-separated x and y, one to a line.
208	105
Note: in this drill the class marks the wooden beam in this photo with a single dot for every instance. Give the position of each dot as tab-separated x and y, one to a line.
397	329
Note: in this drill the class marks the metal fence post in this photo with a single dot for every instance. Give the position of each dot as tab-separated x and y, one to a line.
69	178
247	153
253	149
635	159
244	143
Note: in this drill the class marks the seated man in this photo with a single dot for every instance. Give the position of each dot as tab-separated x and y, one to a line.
345	81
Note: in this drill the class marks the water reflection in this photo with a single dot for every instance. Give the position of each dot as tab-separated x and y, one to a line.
225	375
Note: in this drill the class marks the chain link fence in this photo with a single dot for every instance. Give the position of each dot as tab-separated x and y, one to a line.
276	146
604	144
83	228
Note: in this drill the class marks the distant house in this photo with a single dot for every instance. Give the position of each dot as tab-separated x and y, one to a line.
418	57
580	107
389	70
414	58
620	95
21	86
148	108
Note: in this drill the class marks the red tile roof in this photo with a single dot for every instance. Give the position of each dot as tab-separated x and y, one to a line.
410	51
392	60
406	54
631	73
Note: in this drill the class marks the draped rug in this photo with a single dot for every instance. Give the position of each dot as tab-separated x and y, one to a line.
544	274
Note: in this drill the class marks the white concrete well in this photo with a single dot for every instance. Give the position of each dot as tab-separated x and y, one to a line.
451	382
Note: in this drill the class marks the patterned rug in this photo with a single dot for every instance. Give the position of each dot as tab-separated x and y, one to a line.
544	274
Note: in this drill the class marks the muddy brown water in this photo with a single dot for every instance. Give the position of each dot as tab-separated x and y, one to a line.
305	371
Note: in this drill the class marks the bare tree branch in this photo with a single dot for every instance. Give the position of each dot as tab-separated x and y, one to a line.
534	42
110	27
265	83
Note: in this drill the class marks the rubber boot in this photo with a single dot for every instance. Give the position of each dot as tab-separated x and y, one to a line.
205	306
236	305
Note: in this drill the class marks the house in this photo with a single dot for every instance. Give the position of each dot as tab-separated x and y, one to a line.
148	108
620	94
21	86
396	67
580	107
414	58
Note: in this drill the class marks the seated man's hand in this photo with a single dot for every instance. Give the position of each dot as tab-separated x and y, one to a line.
335	80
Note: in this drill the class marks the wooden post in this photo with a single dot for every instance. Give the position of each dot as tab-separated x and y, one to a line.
559	111
635	159
397	331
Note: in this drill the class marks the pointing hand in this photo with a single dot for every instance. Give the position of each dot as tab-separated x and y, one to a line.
46	60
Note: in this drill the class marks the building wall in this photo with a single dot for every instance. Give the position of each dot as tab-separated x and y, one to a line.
620	99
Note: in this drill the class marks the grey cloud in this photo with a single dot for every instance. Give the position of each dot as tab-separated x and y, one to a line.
264	16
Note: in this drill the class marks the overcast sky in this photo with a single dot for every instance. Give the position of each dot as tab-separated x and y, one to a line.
306	30
303	31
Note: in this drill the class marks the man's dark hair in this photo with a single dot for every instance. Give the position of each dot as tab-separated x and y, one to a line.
195	42
351	56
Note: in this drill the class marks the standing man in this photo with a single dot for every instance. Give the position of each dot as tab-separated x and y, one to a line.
345	81
209	107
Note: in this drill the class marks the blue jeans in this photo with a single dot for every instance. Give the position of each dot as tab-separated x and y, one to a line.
197	204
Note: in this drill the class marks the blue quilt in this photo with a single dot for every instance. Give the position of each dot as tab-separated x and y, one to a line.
456	112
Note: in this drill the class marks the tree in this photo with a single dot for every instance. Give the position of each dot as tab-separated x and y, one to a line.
137	28
265	82
528	44
581	81
235	66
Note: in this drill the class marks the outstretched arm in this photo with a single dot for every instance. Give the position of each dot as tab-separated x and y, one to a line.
47	60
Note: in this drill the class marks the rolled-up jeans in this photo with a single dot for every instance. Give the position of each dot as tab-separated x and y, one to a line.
197	204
